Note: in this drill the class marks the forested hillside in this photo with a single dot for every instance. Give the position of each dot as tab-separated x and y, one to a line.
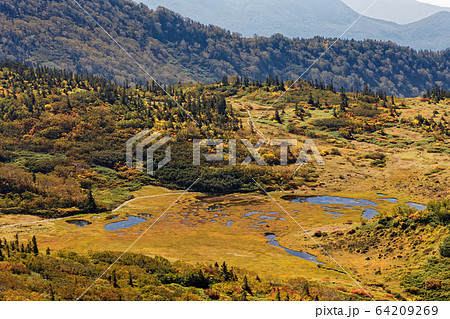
172	48
63	136
327	18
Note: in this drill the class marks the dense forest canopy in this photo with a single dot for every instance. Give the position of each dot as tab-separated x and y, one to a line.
172	48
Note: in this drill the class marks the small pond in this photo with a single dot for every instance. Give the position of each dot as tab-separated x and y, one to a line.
256	213
131	221
333	200
348	203
416	206
78	222
266	217
215	208
299	254
369	213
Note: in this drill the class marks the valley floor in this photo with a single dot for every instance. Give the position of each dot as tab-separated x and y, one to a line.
235	228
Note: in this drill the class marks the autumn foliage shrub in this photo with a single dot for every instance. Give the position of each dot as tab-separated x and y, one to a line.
361	292
431	284
212	294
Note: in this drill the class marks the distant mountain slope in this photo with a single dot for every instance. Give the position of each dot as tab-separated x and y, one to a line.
172	48
399	11
430	30
306	19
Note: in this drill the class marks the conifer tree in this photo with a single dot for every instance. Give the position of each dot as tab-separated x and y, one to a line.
224	271
277	117
246	287
91	206
114	279
34	246
344	101
225	80
310	99
52	294
130	279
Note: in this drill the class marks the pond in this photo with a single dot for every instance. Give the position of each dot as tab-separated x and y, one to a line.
344	202
78	222
266	217
299	254
215	208
333	200
369	213
416	206
256	213
229	223
131	221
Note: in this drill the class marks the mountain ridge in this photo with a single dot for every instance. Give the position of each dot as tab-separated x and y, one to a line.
398	11
306	19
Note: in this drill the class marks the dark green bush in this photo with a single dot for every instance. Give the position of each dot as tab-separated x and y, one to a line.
331	123
444	248
108	158
45	166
